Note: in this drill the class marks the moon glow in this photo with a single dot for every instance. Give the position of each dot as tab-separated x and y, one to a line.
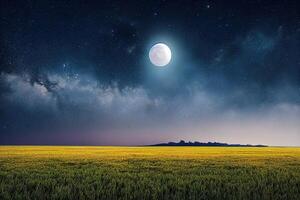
160	55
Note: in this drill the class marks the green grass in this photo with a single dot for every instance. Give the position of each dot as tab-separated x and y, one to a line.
46	172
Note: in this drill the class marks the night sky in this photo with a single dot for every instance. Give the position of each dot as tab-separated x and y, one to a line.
78	72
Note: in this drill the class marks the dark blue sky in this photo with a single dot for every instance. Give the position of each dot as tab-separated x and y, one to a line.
77	72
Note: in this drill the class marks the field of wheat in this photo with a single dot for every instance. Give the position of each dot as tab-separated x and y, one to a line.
63	172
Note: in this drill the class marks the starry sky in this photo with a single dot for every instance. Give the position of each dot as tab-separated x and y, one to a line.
78	72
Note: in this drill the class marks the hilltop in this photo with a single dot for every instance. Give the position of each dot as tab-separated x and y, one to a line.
212	144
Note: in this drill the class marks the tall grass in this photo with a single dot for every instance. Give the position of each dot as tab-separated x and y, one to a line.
45	172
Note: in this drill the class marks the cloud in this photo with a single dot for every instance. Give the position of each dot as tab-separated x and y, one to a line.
23	92
83	104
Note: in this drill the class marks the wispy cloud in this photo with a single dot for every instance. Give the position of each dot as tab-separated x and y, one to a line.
87	105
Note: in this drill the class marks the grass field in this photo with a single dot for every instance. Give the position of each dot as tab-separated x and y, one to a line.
47	172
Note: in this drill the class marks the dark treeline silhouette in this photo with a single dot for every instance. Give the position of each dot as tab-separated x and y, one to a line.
208	144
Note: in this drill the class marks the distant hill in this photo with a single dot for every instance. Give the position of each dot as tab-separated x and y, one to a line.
208	144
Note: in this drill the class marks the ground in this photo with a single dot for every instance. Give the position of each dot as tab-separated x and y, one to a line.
61	172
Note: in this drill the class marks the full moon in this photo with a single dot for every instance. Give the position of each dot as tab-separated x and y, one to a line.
160	55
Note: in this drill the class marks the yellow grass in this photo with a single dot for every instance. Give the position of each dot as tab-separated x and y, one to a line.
75	172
